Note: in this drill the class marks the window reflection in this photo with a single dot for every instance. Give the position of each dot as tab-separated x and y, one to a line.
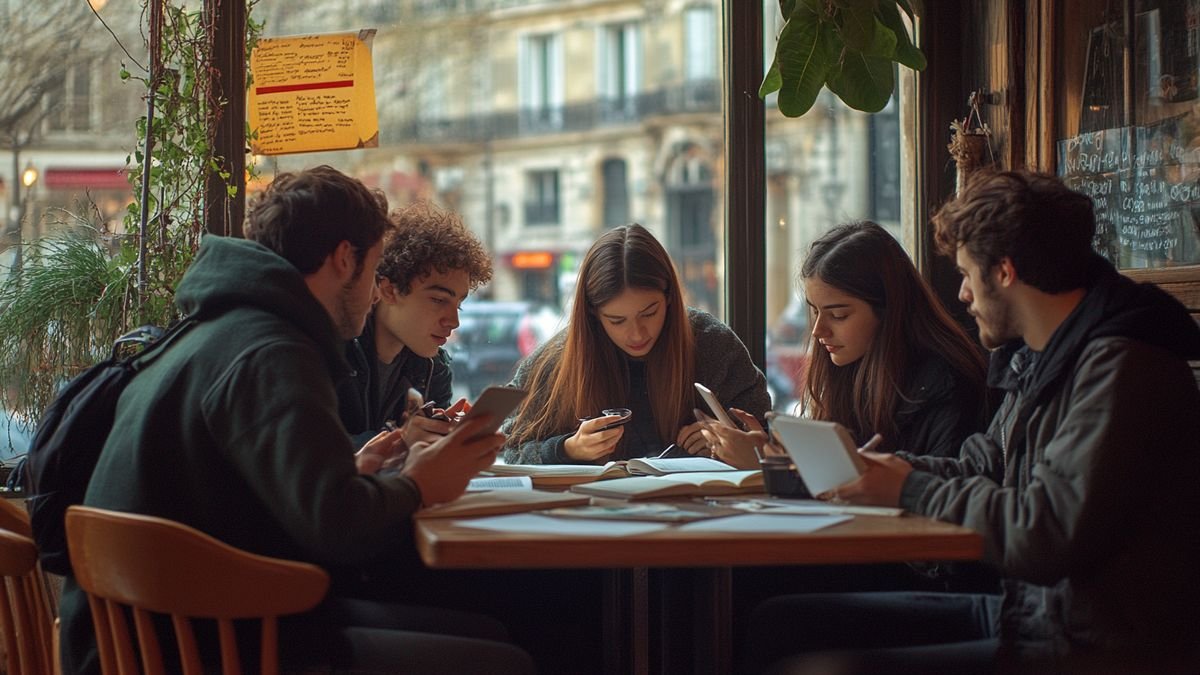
543	123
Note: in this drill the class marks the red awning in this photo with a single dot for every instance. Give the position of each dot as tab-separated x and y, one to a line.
91	179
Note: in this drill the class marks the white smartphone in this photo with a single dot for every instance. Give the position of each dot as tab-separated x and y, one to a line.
499	402
715	406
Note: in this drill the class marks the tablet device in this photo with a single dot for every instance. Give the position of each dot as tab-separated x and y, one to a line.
824	453
715	406
498	402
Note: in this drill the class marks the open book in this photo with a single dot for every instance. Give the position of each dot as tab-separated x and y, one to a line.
675	485
560	475
501	501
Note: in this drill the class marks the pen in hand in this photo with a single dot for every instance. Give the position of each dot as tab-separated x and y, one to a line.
870	445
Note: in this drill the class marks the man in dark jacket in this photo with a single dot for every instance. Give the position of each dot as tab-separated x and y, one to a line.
1083	487
430	262
233	430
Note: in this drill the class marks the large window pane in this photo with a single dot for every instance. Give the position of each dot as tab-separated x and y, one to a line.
552	122
833	165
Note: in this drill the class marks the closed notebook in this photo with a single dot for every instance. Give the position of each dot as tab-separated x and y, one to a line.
675	485
558	475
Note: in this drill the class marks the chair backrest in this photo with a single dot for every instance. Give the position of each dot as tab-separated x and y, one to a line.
25	618
156	566
14	518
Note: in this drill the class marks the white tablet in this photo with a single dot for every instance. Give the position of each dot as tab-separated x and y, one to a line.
824	453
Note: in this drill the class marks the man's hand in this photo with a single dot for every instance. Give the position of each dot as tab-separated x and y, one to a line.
442	469
880	485
422	429
387	447
590	443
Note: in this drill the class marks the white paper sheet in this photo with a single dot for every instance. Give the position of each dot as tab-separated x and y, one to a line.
500	483
535	524
755	522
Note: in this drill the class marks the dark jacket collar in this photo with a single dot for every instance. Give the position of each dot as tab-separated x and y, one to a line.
1114	306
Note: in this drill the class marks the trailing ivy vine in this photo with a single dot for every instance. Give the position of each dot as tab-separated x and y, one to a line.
83	287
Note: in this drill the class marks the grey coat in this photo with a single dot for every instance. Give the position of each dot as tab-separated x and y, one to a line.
1085	486
722	364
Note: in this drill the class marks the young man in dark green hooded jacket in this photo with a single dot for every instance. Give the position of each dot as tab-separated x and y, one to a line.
234	430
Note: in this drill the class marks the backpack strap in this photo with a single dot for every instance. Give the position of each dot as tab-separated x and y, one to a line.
152	339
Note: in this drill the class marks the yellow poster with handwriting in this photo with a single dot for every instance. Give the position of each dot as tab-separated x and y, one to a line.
313	93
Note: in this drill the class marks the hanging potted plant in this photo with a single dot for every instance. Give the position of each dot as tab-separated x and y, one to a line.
849	46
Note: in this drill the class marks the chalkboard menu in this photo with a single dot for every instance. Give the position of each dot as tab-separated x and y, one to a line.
1145	183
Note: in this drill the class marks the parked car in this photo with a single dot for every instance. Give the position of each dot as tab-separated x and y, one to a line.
787	355
492	337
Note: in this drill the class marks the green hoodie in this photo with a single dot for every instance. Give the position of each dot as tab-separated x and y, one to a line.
234	429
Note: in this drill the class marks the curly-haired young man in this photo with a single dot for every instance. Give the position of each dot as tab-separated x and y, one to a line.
430	263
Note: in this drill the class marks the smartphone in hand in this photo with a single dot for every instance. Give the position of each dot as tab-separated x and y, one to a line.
499	402
715	406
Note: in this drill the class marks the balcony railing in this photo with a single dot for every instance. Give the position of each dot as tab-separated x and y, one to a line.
695	97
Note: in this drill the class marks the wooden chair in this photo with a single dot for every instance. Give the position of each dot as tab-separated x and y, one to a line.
26	621
157	566
14	518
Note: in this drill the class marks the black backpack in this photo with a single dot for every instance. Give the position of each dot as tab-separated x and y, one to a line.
71	434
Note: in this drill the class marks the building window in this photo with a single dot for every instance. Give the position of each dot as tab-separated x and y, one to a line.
701	87
541	82
619	73
69	101
699	44
690	225
616	193
541	198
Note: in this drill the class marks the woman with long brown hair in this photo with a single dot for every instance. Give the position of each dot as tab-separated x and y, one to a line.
885	356
630	343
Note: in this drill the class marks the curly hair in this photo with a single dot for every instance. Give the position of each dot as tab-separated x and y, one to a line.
425	238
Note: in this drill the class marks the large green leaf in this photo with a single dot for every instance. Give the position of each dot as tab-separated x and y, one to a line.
906	52
786	7
805	55
864	82
858	27
772	82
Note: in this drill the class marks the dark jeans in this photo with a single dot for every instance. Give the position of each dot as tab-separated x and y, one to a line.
366	637
887	632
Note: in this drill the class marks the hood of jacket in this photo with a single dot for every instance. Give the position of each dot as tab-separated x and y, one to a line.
1114	306
230	273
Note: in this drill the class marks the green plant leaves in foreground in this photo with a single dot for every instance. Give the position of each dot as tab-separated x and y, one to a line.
848	46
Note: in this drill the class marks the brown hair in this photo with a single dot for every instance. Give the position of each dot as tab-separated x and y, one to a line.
863	260
583	371
1035	220
427	238
304	216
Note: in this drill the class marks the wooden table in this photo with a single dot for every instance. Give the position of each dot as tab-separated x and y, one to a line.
676	584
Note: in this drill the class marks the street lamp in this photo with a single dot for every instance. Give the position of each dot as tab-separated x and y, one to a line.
29	176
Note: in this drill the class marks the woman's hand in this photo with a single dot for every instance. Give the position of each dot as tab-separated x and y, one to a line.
592	441
691	438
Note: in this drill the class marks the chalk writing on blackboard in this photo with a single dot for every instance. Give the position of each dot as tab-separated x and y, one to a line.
1145	184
